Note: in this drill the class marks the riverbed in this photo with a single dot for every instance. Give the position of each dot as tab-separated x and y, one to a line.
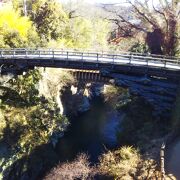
91	132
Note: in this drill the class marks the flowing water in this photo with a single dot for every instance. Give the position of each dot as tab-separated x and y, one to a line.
173	159
91	132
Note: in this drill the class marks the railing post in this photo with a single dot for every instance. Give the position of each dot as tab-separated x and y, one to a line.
162	162
1	68
131	57
97	57
13	53
53	54
164	63
67	55
39	53
82	56
2	53
26	52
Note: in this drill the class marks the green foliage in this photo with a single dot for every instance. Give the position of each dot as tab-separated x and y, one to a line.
86	33
50	20
79	33
101	30
127	163
27	121
116	96
82	33
2	123
16	31
50	26
121	163
26	86
139	48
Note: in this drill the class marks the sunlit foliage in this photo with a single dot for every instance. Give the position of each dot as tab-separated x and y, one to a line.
83	33
121	163
127	163
50	20
27	120
16	31
52	24
116	96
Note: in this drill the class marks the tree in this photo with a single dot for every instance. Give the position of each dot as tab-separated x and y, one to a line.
28	122
50	20
160	24
26	86
16	31
82	33
86	29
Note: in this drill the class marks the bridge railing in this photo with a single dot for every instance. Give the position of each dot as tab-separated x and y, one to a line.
102	57
93	51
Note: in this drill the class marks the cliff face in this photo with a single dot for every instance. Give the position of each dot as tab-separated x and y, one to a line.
72	97
76	98
52	82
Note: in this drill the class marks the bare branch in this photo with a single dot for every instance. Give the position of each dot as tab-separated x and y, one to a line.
142	14
130	24
123	20
161	13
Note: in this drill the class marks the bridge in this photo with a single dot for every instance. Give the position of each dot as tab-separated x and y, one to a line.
125	62
153	77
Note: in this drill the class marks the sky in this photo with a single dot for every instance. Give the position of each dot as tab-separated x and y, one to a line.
101	1
155	2
107	1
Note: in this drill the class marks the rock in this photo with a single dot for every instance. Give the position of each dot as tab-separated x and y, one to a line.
85	106
74	90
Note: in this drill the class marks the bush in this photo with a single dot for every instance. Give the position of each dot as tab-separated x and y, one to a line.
116	96
78	169
139	48
127	163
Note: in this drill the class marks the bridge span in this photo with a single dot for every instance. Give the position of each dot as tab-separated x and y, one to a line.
124	62
155	78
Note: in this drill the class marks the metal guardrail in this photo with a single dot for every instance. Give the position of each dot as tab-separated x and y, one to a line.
93	57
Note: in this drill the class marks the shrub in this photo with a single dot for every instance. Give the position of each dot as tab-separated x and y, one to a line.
77	169
115	96
127	163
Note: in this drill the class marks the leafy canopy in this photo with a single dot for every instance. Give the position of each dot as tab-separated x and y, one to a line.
15	31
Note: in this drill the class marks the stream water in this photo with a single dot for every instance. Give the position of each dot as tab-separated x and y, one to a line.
91	132
173	159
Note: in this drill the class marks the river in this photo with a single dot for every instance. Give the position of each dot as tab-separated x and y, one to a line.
91	132
173	159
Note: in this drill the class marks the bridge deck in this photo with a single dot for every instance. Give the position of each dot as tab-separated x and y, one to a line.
86	60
